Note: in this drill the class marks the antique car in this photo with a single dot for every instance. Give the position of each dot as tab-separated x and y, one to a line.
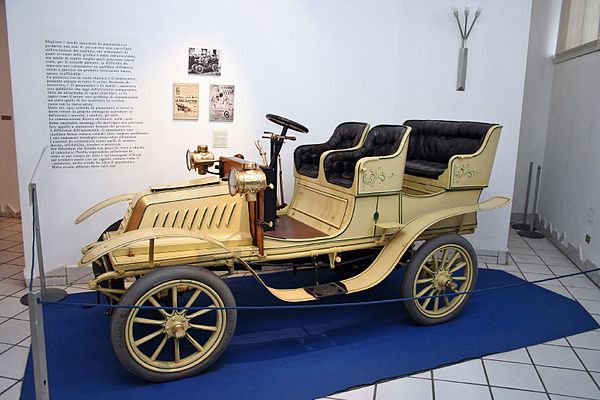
362	200
204	64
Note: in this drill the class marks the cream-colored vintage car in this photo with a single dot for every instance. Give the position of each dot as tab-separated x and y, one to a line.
361	201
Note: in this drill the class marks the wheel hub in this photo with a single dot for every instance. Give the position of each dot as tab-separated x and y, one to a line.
443	280
177	326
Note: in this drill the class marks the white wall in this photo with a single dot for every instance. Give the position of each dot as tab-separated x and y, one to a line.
571	179
9	186
545	16
317	62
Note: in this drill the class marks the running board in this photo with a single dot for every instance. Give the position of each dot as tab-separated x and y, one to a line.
326	289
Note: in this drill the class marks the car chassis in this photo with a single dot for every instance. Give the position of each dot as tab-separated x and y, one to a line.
172	236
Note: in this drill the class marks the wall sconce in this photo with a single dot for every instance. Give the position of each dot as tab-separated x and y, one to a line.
463	53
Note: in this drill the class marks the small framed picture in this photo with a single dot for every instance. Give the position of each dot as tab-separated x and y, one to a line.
204	61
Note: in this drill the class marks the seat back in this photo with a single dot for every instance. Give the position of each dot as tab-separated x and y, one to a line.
438	141
381	140
345	136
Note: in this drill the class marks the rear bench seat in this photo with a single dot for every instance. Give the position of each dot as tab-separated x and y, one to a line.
433	143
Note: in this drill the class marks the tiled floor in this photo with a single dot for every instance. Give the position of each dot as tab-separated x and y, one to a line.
568	368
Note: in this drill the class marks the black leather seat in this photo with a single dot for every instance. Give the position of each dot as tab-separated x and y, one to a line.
382	140
432	143
346	135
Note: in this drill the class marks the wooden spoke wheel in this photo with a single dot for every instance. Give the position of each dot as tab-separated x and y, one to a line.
441	267
165	345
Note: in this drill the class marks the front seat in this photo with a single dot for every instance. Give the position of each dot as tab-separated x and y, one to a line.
382	140
345	136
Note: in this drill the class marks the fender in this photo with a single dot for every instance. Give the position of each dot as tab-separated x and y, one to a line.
125	239
381	267
103	204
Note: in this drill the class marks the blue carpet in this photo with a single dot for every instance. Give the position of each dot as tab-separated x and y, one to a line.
305	354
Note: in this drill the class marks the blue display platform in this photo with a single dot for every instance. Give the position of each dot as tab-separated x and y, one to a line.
306	354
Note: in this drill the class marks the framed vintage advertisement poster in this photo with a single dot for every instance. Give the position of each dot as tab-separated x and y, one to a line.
185	100
221	103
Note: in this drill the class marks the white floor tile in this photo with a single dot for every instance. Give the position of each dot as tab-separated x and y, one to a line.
13	331
590	358
12	362
11	306
517	274
519	355
558	342
555	356
405	388
518	376
512	394
5	383
593	307
14	393
558	271
504	267
528	251
535	268
556	289
579	293
596	376
568	382
422	375
536	277
530	259
578	281
468	372
459	391
557	261
364	393
586	340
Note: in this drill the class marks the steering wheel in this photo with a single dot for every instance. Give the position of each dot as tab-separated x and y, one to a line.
286	123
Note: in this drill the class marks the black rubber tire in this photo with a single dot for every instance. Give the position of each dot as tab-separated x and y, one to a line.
411	269
147	283
103	265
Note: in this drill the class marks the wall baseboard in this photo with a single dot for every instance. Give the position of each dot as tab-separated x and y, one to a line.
571	251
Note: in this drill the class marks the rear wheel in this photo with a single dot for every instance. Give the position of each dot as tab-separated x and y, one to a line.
165	345
442	266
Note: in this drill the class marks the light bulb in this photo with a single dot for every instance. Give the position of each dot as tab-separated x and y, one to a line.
467	11
479	11
455	11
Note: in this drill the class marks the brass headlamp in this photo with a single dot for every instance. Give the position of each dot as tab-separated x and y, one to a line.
249	181
200	160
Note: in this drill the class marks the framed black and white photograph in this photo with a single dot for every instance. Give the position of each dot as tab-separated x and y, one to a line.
203	61
221	103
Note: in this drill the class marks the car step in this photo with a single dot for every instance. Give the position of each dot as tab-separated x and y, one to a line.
326	289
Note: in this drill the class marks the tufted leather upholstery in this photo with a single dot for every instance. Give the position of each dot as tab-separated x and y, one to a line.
432	143
382	140
346	135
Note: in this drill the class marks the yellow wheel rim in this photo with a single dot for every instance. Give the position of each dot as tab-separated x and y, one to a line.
173	341
445	271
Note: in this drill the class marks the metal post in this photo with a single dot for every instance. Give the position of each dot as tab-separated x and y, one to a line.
52	294
531	233
525	226
38	346
461	80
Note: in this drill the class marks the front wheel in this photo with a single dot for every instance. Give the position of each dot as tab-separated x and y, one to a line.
442	266
165	345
